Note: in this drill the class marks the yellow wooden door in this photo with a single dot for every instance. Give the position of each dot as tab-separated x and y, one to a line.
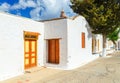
30	59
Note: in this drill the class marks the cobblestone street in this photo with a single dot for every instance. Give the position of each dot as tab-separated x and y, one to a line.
102	70
114	54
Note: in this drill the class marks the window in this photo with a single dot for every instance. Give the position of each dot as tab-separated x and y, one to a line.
83	40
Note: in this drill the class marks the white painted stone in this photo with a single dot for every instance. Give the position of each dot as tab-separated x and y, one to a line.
57	29
72	55
100	38
78	55
12	43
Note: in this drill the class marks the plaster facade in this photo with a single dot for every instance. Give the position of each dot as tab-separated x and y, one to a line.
12	44
67	30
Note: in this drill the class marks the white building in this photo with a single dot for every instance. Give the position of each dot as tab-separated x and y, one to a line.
64	43
97	42
15	35
118	42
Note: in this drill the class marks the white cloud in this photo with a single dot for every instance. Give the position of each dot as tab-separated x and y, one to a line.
27	3
53	9
23	4
16	6
4	7
30	4
35	13
46	9
42	9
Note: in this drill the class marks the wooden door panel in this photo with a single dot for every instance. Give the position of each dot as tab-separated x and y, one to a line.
57	51
27	61
33	46
49	51
26	55
26	46
33	61
33	53
53	51
30	53
51	57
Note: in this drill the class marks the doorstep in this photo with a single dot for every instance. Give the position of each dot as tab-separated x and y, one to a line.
34	69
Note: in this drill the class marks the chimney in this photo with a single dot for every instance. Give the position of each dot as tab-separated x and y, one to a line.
63	15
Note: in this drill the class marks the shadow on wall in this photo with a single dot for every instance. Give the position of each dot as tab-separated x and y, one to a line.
88	29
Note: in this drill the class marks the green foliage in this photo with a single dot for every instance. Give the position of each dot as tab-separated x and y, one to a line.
114	36
102	15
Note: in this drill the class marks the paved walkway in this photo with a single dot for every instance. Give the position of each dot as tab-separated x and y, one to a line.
115	53
102	70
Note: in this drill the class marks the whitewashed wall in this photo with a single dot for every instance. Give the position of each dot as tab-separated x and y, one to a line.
69	31
100	38
72	54
110	45
118	44
12	44
56	29
77	55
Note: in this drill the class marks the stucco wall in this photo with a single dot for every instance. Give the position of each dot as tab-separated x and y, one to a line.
110	45
77	55
12	43
56	29
96	47
118	44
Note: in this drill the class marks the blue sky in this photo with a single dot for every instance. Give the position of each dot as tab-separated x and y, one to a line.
37	9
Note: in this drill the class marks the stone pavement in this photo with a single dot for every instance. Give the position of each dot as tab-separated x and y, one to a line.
102	70
115	53
33	75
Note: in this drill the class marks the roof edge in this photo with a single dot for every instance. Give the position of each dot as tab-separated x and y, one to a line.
16	16
72	18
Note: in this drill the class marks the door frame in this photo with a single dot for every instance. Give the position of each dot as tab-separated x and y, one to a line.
31	36
56	49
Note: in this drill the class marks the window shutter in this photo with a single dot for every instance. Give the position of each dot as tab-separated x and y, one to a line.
83	40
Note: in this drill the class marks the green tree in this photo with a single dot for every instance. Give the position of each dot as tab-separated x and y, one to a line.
114	36
102	15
